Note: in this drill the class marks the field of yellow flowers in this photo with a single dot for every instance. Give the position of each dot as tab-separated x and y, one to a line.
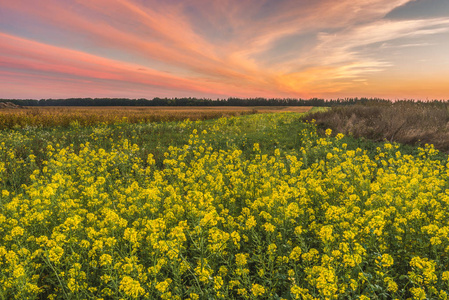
252	207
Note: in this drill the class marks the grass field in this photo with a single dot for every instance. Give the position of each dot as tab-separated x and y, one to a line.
88	116
257	206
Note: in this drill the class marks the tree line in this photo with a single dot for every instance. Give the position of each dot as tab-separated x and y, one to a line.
189	101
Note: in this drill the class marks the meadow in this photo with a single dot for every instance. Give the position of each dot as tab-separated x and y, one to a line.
256	206
64	116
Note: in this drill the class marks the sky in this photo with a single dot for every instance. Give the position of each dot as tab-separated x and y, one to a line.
391	49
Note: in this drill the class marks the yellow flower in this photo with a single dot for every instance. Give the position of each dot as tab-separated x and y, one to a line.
269	227
131	287
385	260
218	282
194	296
18	271
296	253
271	248
298	230
204	273
257	290
105	260
17	231
236	238
163	285
391	285
298	292
445	276
418	293
55	254
251	222
242	292
131	235
311	255
326	233
240	259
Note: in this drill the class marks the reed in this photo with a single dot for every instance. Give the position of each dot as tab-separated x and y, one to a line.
402	122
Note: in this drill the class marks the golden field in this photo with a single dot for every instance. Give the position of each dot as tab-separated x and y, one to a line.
86	116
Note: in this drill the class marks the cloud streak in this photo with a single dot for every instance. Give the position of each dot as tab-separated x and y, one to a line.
203	48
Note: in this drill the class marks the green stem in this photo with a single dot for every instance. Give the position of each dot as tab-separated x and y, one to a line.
56	273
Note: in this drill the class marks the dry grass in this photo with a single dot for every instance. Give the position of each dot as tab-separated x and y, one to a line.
407	123
85	116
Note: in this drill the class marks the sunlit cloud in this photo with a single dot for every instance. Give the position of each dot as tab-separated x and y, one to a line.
205	48
33	58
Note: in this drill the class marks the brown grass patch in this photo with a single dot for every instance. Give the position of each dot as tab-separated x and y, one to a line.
407	123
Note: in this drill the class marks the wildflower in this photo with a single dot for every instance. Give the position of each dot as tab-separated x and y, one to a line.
326	233
204	273
387	260
251	222
445	276
418	293
218	282
295	255
272	249
257	290
55	254
391	285
311	255
240	259
194	296
236	238
105	260
269	227
163	285
223	271
298	292
17	231
132	287
19	272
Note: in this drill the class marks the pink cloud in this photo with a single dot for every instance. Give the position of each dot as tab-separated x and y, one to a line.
30	56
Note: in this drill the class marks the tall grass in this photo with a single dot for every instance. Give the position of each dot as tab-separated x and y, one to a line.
406	123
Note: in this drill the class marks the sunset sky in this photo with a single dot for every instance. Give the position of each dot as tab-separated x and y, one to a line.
391	49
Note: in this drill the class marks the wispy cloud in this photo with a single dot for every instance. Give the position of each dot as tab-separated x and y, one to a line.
31	58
